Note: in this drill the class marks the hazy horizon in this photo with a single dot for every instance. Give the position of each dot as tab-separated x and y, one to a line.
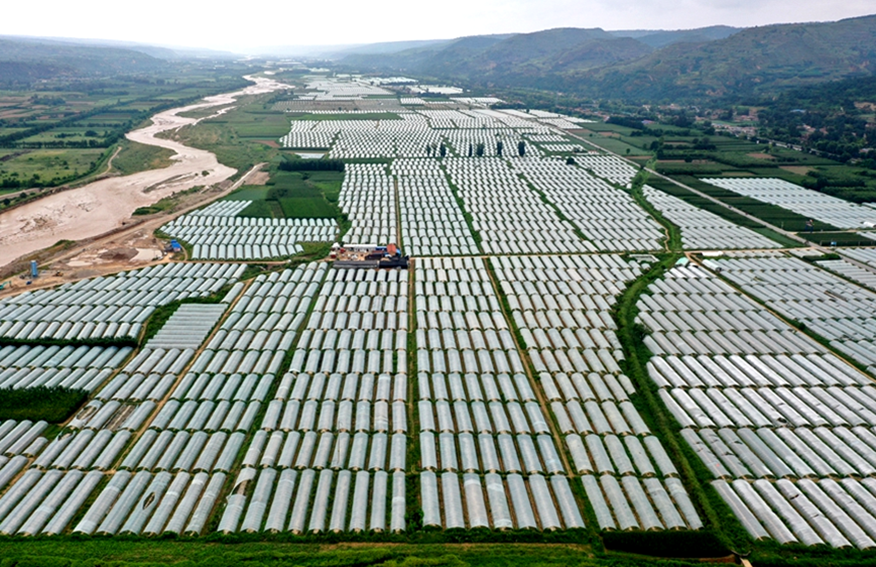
348	23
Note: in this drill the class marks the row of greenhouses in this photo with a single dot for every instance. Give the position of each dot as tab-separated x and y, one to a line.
198	451
612	168
806	202
454	501
623	504
606	216
768	424
315	501
83	450
604	433
166	443
352	333
509	216
832	307
478	418
703	230
338	413
219	236
431	221
368	198
189	325
80	367
115	415
109	307
851	271
340	387
261	326
143	503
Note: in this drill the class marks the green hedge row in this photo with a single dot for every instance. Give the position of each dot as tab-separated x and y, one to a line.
53	404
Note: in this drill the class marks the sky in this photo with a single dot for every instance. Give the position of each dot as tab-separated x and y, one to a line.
246	27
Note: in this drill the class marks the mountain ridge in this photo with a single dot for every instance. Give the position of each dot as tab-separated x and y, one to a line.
716	61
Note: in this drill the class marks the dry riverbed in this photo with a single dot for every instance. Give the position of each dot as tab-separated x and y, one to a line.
106	204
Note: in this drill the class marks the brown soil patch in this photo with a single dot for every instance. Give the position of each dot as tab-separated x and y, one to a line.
118	254
610	134
13	113
259	178
798	169
270	143
758	155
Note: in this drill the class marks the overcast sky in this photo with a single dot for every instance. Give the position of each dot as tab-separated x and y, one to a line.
247	26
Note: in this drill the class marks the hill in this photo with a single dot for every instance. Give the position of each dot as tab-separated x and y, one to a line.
752	61
513	60
662	38
713	62
25	60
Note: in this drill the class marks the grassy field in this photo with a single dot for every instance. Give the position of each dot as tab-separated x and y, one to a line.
202	112
249	193
294	195
118	552
167	204
687	155
775	215
135	157
51	166
837	238
613	144
363	116
241	137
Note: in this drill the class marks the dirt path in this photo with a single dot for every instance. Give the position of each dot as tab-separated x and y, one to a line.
103	205
109	162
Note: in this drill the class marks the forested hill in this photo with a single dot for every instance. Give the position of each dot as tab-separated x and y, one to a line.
23	61
711	62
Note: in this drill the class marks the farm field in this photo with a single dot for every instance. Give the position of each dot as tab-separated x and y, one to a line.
579	365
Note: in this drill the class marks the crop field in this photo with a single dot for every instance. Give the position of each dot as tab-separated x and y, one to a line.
576	367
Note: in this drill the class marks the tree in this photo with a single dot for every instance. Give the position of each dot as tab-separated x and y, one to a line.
521	148
499	146
442	150
428	150
480	150
570	160
470	150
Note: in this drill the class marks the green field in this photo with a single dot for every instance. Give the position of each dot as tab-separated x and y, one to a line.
293	195
249	193
837	238
135	157
683	153
48	166
363	116
119	552
723	212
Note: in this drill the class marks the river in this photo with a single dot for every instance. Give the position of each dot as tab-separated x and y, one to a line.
104	205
